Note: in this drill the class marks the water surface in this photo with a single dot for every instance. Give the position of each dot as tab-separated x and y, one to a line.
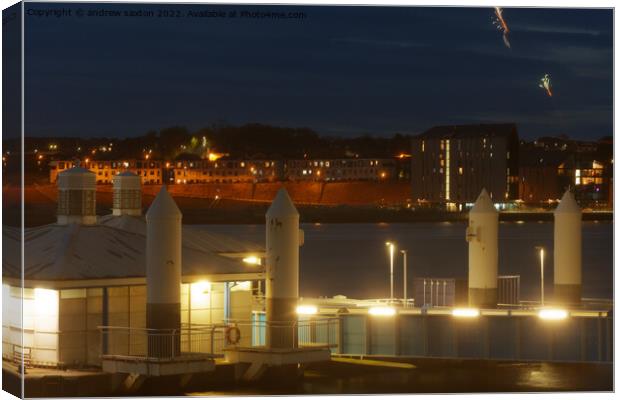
352	260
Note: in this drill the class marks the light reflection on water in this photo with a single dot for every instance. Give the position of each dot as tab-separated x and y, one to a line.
437	377
351	259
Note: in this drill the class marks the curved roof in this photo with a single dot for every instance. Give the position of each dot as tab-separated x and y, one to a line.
72	252
195	236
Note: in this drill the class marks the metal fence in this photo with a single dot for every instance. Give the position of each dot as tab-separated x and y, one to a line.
508	289
161	343
522	336
311	332
213	339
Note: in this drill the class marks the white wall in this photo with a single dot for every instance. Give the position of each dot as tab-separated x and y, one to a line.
40	323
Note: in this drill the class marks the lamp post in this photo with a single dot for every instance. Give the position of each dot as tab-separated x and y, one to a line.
391	249
404	277
542	274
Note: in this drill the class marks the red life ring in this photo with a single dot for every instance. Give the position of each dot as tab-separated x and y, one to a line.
233	335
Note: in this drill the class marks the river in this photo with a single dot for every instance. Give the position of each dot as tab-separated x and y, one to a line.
352	260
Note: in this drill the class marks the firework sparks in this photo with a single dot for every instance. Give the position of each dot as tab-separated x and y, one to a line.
501	25
545	83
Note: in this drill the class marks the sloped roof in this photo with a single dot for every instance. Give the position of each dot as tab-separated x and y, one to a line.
463	131
195	236
72	252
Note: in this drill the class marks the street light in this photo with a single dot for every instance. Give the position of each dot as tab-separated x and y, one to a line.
542	274
391	247
404	277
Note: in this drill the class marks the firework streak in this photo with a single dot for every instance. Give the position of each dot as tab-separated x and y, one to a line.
501	25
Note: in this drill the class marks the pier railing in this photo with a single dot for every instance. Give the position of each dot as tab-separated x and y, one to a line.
313	332
212	339
146	343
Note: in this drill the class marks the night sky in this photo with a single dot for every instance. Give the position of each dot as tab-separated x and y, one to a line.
342	71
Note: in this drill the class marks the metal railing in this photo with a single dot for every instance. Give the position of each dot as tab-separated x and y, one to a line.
212	339
312	332
324	332
161	343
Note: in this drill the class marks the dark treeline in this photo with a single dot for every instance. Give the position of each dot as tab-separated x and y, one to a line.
245	141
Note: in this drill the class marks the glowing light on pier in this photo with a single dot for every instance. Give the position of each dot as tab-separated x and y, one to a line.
307	310
252	259
552	314
466	312
382	311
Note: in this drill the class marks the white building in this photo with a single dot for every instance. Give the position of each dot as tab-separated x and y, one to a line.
80	277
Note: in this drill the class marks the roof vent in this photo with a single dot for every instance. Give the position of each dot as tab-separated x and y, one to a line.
76	197
127	194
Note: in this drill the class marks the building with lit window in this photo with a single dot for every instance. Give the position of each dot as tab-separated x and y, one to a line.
451	164
77	277
538	175
223	171
590	178
150	171
340	169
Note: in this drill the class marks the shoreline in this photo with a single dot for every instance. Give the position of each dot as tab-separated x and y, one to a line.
40	209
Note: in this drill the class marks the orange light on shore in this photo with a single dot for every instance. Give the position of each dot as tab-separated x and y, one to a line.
214	156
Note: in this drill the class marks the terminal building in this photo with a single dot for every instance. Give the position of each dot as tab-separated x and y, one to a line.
88	271
451	164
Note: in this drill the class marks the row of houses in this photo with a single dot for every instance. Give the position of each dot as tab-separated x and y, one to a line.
448	166
235	171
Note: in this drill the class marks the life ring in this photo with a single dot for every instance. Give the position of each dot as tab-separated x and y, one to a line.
233	335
